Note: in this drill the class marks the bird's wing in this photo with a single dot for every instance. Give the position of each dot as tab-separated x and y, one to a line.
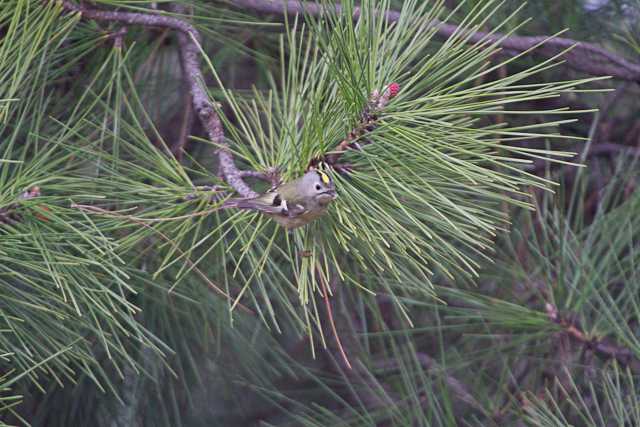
295	210
269	202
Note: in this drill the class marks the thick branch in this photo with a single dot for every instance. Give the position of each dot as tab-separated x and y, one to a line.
271	175
189	40
584	57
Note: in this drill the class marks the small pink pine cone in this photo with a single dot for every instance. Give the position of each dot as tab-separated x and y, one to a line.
393	89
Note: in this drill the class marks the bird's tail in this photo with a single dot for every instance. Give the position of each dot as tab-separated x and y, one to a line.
255	204
240	203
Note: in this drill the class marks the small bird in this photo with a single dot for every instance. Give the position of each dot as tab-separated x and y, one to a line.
295	203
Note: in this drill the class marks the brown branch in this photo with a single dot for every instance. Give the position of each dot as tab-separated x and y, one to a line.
365	386
189	41
255	174
118	37
325	295
271	175
604	347
585	57
186	124
9	214
187	115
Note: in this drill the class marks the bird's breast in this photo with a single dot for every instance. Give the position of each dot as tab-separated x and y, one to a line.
298	220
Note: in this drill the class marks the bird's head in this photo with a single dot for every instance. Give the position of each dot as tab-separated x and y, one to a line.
319	186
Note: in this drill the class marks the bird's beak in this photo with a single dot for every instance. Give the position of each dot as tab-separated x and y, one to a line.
332	193
329	194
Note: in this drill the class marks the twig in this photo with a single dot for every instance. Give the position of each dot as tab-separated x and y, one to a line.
189	41
186	124
325	295
118	37
8	214
348	344
585	57
604	347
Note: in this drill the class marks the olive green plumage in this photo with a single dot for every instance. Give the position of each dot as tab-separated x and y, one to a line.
294	203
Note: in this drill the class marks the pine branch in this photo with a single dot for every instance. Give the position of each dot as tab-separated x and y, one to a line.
189	41
368	122
604	347
584	57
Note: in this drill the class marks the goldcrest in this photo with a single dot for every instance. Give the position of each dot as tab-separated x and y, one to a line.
294	203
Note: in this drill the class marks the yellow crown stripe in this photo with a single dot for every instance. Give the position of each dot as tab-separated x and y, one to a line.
325	178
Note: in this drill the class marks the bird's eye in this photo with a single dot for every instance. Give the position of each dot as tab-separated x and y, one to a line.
318	187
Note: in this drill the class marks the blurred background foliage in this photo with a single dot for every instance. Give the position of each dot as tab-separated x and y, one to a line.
117	281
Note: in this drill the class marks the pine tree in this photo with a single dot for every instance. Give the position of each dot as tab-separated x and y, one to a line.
470	272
